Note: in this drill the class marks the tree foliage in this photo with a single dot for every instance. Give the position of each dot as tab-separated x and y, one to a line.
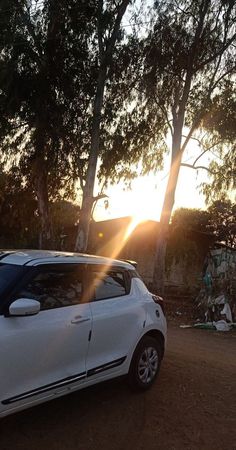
191	220
223	221
218	220
51	58
188	60
179	68
221	123
47	81
19	225
77	86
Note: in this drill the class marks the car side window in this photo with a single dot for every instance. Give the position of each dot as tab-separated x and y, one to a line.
55	287
108	284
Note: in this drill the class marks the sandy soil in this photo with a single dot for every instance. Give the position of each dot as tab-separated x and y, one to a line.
191	406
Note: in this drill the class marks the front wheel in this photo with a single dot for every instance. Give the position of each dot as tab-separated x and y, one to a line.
145	364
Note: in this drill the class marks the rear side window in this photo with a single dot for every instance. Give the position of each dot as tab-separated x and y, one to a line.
109	284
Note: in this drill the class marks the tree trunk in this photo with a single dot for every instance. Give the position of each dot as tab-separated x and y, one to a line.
105	56
178	111
81	244
41	189
87	203
169	200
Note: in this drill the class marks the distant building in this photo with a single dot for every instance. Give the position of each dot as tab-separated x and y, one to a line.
185	259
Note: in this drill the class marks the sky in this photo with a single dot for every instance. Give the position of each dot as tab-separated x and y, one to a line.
144	200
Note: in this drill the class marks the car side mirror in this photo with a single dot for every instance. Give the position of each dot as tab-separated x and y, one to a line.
24	307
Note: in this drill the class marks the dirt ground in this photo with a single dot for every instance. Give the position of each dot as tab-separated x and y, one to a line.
191	406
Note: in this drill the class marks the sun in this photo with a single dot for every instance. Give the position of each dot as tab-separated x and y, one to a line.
142	202
141	215
141	210
143	206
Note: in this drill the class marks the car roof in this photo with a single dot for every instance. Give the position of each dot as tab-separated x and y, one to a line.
37	257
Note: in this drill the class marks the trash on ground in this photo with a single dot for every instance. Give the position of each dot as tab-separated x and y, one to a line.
220	325
205	326
226	311
216	301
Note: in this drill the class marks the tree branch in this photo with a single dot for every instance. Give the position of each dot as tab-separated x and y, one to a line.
99	197
194	139
218	53
208	149
232	69
199	156
164	111
112	40
189	71
191	166
99	30
20	125
192	129
31	32
95	200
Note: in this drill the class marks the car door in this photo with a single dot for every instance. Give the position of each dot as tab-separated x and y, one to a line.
46	352
118	317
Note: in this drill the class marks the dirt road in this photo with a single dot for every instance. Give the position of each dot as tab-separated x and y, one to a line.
192	406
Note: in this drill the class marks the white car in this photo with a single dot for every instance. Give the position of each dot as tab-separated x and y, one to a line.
68	321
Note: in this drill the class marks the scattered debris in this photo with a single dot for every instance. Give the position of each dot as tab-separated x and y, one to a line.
226	311
205	326
220	325
216	301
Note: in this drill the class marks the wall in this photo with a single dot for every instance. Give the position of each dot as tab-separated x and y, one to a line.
185	254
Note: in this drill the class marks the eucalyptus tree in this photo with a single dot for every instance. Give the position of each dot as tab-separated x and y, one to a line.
221	123
45	93
186	60
108	35
190	58
55	59
19	225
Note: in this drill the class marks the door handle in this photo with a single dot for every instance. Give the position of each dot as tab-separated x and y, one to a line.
80	319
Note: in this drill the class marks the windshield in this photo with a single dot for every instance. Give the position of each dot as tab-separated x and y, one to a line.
8	275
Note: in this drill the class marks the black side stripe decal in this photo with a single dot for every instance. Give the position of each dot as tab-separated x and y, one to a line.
106	366
45	388
64	381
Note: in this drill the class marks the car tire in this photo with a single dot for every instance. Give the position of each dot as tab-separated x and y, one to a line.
145	364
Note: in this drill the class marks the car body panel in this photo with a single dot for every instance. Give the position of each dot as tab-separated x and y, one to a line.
116	324
63	349
42	349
